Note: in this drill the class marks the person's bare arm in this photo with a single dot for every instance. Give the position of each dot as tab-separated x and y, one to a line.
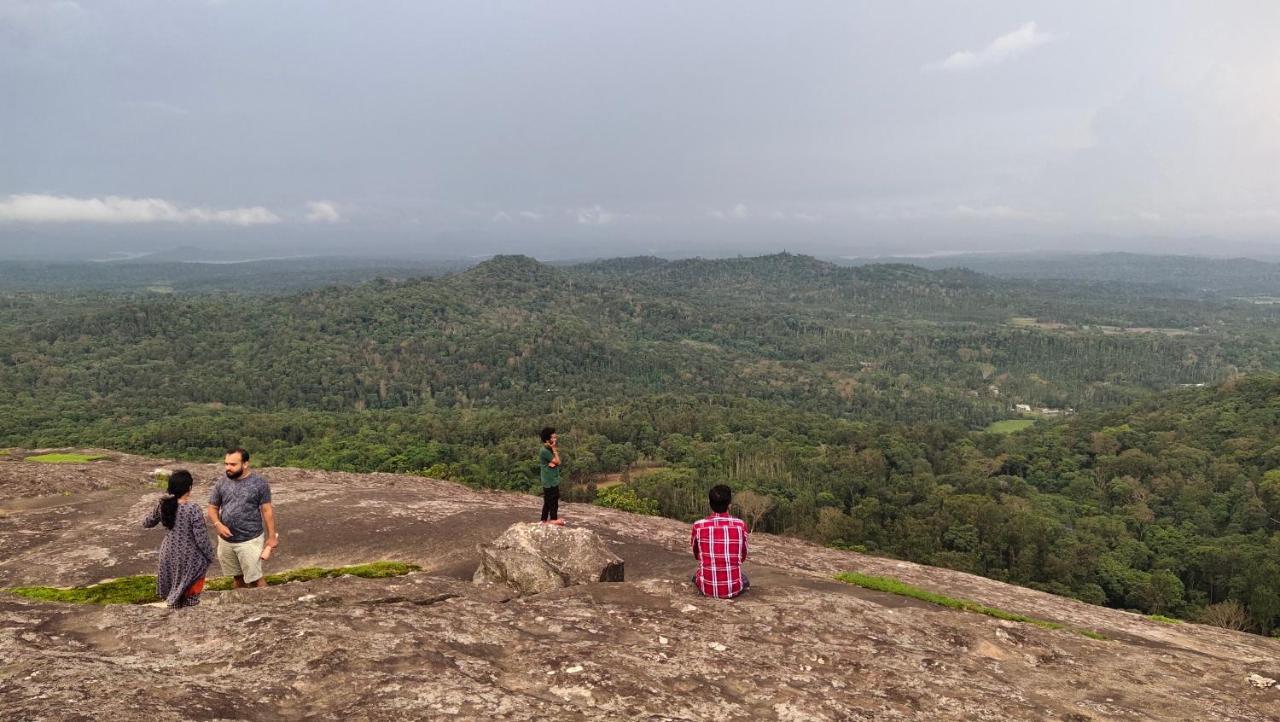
269	518
219	528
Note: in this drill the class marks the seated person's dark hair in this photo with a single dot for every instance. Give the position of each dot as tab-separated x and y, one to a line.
546	433
244	455
720	496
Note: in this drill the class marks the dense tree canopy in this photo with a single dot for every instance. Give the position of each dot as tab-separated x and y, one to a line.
850	403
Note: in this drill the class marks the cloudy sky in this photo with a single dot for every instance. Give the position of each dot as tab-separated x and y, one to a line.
595	128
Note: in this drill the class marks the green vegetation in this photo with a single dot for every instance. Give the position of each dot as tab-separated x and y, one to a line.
1009	426
142	589
854	402
625	498
1162	619
894	586
1194	276
125	590
63	458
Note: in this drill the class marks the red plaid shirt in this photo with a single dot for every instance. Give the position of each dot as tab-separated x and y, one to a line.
720	545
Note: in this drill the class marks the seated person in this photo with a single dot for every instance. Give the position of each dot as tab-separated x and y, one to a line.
720	545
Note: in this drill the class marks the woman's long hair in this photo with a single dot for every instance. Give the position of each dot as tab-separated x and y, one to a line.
179	485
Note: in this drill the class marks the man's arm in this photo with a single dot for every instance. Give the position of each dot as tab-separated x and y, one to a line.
742	553
218	527
693	541
269	518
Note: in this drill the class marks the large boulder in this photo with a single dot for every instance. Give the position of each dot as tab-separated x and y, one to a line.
533	558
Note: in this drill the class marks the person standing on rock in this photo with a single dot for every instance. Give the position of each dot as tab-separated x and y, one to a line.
240	508
549	462
185	553
720	545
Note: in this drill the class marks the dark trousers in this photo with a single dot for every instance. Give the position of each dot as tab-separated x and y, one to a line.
550	502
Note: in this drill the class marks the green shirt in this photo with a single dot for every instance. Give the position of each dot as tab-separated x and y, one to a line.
550	474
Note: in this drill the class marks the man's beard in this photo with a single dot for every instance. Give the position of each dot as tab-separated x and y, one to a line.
236	475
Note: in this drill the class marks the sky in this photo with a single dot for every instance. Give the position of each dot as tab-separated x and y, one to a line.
586	129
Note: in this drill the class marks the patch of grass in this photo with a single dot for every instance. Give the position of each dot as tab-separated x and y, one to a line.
373	570
1008	426
63	458
125	590
1163	619
894	586
141	589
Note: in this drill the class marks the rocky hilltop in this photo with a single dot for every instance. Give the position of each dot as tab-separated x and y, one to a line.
431	645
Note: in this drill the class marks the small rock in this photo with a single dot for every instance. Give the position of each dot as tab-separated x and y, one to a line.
1260	682
575	669
718	647
688	608
662	640
307	598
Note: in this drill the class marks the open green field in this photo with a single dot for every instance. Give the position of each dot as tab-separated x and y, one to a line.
1008	426
63	458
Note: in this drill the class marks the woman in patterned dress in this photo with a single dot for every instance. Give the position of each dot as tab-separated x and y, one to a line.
185	553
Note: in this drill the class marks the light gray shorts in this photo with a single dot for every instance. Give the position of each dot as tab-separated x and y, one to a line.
242	559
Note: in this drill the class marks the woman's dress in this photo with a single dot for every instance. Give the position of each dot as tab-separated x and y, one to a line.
185	554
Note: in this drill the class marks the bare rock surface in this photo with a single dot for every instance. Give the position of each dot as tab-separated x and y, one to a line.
432	645
533	558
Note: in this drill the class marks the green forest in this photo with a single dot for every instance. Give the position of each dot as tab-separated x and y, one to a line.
854	406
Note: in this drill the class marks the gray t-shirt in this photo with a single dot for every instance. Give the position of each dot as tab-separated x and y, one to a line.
239	503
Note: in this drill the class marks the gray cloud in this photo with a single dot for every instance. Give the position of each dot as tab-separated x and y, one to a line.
582	128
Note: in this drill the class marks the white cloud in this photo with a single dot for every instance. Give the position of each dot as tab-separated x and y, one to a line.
594	216
740	212
322	212
37	208
583	215
996	52
801	216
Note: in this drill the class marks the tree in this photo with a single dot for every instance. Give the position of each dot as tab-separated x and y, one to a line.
752	506
626	499
1161	592
1228	615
